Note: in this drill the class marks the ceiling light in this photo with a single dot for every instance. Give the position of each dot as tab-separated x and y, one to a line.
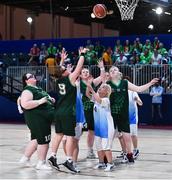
169	30
29	20
150	26
67	7
168	13
159	10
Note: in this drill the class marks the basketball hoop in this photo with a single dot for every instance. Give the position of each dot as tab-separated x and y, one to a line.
127	8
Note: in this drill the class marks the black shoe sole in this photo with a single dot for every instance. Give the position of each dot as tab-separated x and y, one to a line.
70	169
54	167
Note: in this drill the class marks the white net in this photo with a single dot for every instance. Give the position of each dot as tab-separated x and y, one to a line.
127	8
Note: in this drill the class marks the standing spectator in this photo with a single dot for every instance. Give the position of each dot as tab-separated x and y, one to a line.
156	93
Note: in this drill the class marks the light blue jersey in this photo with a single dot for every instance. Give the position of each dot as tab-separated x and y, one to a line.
133	109
103	121
80	117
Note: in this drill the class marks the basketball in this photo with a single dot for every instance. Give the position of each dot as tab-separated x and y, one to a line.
100	10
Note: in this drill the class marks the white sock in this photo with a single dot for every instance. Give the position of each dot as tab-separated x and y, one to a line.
69	158
53	154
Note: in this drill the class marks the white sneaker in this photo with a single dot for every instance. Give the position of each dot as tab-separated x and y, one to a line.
41	165
109	167
25	162
91	155
100	166
125	159
76	167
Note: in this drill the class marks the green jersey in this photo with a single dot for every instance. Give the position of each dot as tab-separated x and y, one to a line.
39	93
119	105
119	97
66	103
88	105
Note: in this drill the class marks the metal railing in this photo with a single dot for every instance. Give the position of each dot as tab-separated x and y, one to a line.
139	74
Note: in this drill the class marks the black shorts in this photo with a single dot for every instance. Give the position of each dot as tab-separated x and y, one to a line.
121	122
65	124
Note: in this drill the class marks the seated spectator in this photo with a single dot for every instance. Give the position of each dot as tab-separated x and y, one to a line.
43	54
161	49
127	48
165	58
121	60
117	48
135	58
170	52
107	56
51	63
99	49
147	45
156	43
90	56
52	50
1	78
34	55
156	58
137	46
145	57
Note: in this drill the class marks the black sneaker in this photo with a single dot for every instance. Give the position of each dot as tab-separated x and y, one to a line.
70	166
130	157
53	162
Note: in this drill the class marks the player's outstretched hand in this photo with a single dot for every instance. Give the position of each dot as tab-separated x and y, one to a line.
153	81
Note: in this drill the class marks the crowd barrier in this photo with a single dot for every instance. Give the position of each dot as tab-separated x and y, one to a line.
139	75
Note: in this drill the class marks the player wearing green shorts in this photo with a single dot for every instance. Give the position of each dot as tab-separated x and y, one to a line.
88	105
119	104
38	109
65	115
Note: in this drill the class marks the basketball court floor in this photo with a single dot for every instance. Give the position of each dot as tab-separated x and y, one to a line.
155	161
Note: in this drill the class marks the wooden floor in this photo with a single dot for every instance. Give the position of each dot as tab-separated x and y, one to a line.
155	161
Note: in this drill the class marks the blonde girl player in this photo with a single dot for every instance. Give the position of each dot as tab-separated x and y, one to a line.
120	105
103	125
